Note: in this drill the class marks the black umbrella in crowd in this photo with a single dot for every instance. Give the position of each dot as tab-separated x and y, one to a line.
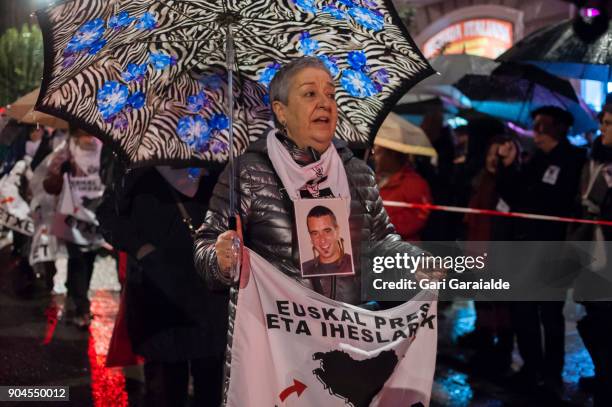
513	91
559	50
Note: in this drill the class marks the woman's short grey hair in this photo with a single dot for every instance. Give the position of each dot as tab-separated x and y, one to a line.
279	87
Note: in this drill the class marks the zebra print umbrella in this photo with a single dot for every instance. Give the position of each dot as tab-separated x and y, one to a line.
150	76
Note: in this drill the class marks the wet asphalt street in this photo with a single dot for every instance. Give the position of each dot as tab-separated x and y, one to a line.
37	348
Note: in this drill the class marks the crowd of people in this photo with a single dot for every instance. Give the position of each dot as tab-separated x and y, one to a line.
174	226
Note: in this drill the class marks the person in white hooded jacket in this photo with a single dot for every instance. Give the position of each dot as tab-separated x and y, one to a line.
81	157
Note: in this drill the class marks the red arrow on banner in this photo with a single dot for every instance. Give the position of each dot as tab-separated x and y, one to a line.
298	387
7	200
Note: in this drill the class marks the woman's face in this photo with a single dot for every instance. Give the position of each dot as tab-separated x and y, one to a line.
311	112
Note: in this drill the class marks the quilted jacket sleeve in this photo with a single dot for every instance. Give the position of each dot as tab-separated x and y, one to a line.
217	222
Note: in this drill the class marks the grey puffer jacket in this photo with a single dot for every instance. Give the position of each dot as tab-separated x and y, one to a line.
268	222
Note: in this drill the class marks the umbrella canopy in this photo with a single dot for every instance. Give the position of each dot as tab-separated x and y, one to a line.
23	111
558	50
150	77
450	69
513	91
398	134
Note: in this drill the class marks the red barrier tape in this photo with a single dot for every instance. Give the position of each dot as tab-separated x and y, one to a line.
491	212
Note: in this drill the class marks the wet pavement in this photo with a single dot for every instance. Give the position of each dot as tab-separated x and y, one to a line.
37	348
458	385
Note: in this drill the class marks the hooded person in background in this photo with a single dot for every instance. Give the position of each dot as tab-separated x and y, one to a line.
81	156
172	319
596	284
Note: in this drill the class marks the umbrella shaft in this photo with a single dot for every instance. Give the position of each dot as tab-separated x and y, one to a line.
229	59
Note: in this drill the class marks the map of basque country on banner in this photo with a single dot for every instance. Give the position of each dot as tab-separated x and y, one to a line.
294	347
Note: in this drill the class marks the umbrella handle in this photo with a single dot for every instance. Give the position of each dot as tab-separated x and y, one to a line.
236	225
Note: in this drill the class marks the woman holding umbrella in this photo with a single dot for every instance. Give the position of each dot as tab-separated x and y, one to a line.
298	160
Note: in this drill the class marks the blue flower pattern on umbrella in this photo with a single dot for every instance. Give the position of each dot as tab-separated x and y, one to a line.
198	132
356	81
335	12
134	72
266	75
147	22
331	63
97	46
193	130
86	36
357	60
68	61
363	12
381	76
112	98
357	84
219	122
307	6
217	146
120	20
137	100
307	45
88	39
120	122
160	60
195	103
367	18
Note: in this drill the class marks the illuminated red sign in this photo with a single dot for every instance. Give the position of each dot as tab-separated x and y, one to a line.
485	37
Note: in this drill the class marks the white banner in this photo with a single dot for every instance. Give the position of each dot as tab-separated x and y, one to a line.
294	347
75	220
44	246
14	210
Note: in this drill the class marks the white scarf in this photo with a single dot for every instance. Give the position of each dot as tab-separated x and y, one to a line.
87	160
180	179
328	172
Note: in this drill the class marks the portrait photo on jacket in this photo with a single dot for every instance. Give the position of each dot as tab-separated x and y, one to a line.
324	237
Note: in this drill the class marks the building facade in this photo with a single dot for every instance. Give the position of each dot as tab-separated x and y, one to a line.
479	27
